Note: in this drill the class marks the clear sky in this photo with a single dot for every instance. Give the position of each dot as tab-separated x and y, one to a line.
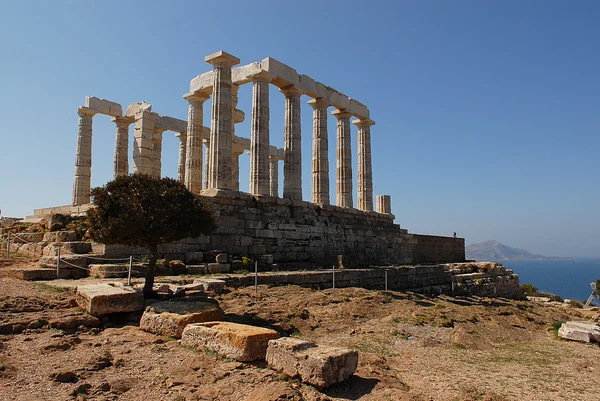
487	112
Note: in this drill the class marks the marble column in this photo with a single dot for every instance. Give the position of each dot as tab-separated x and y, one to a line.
259	136
365	171
143	144
343	179
274	176
221	137
292	164
121	155
237	151
193	147
320	156
157	152
206	163
83	158
181	160
384	204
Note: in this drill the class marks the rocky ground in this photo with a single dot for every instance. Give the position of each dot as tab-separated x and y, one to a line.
411	347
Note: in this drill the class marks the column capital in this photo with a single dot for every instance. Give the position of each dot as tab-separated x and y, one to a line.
199	97
238	116
86	112
319	103
123	120
261	76
181	135
222	58
363	123
290	91
341	114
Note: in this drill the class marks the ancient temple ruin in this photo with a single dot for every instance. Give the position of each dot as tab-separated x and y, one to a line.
260	222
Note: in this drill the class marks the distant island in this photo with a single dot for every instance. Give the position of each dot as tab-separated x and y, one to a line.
495	251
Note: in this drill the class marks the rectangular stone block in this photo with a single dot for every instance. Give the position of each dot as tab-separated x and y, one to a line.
241	75
358	109
169	318
283	75
312	88
202	82
101	299
171	124
211	284
316	365
232	340
104	106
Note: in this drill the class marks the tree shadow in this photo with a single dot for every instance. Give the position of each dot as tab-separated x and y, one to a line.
353	388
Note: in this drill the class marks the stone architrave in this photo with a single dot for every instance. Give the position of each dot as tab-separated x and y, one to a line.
143	148
259	139
344	160
193	147
181	160
320	157
274	176
292	164
121	157
157	152
365	170
221	137
384	204
83	158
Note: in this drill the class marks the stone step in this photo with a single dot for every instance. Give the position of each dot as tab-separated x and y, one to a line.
36	274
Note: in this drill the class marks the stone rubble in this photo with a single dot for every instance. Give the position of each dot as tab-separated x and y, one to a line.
169	318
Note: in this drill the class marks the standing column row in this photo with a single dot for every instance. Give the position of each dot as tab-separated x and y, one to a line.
83	158
193	148
292	152
320	157
259	139
343	177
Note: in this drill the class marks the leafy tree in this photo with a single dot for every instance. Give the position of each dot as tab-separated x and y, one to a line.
146	211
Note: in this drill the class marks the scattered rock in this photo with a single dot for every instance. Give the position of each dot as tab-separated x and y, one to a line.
64	377
101	299
212	285
73	322
99	362
580	331
169	318
233	340
81	389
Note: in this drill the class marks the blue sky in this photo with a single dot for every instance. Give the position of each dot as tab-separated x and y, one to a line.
487	112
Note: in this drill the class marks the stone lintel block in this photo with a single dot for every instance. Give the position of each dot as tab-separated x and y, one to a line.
232	340
312	88
222	57
282	74
136	108
316	365
241	75
171	124
169	318
337	99
101	299
202	83
104	106
359	110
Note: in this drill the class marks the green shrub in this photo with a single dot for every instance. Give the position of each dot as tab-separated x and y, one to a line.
529	289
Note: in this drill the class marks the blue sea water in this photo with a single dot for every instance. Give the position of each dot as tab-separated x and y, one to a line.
566	278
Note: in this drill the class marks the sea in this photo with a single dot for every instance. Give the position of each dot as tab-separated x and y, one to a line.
566	278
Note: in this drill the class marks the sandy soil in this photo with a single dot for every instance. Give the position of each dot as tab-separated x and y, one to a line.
410	347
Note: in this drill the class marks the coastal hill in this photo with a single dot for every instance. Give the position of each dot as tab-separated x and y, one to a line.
495	251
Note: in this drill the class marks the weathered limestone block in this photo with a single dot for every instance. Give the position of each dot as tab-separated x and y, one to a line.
194	257
136	108
101	299
20	238
77	260
169	318
197	269
211	284
77	247
115	270
283	75
218	268
316	365
232	340
103	106
580	331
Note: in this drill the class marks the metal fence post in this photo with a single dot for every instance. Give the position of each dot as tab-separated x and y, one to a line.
256	276
386	283
333	277
8	246
58	262
129	272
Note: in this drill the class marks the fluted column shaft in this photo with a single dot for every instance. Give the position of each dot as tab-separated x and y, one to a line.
193	146
83	158
365	169
384	204
343	182
320	156
236	170
181	160
292	152
206	163
121	155
157	153
259	139
274	176
143	144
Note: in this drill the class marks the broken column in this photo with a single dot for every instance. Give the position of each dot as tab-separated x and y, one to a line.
384	204
259	140
83	158
221	136
292	152
320	158
365	172
343	177
121	156
181	159
193	147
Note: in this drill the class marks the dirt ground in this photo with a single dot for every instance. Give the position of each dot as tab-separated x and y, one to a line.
411	347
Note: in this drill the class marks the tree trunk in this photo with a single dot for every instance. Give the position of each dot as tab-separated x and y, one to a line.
149	283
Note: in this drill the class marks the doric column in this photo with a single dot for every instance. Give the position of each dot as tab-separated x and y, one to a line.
83	158
343	179
121	156
365	171
384	204
193	146
181	160
259	137
320	156
157	152
221	136
292	164
274	176
206	163
143	146
237	151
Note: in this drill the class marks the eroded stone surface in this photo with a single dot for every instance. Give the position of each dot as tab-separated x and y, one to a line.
580	331
101	299
316	365
169	318
233	340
